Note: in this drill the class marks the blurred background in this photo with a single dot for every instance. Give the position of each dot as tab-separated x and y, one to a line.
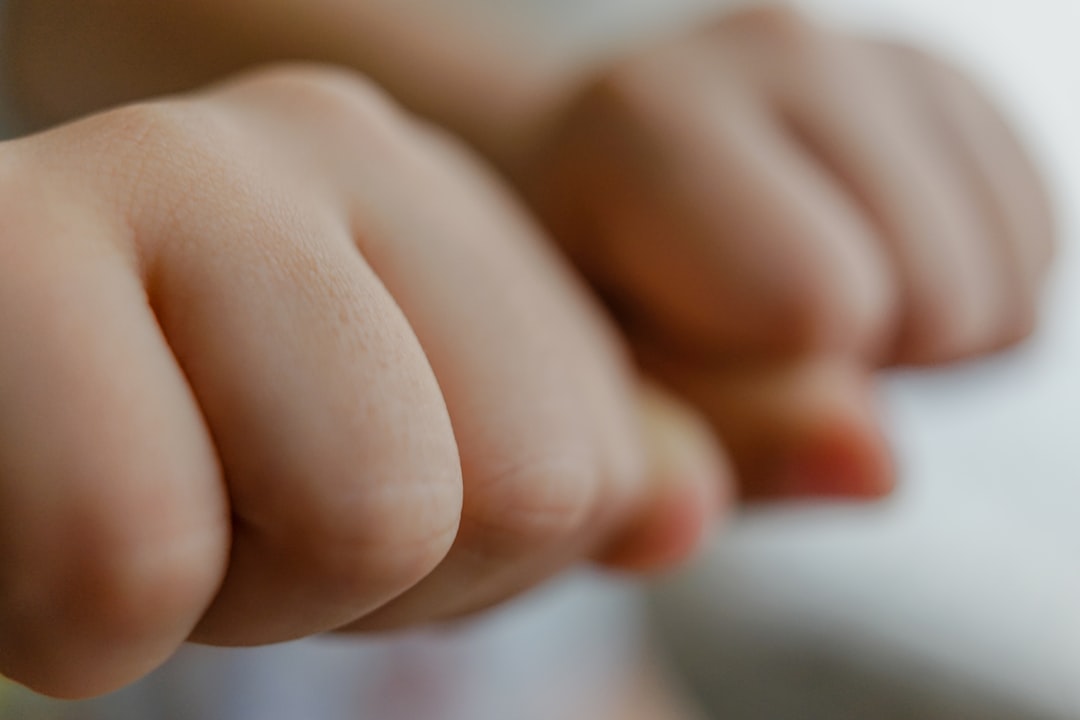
959	598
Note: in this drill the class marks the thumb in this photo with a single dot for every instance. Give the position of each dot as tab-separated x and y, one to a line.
690	486
806	428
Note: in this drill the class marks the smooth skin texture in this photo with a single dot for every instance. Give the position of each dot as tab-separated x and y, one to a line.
775	210
778	211
278	358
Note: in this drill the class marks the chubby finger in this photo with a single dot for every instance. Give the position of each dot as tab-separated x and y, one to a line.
691	488
737	242
536	385
805	428
861	122
116	530
991	160
344	478
343	475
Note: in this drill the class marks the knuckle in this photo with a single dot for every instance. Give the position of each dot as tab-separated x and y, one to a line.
158	152
118	145
816	311
342	100
143	584
394	535
939	328
531	507
161	132
147	560
827	290
627	98
109	612
141	124
777	23
851	315
802	45
327	83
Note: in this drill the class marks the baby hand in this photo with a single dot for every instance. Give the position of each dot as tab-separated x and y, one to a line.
777	210
277	360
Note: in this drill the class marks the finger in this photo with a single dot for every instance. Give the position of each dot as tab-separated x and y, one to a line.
534	383
737	239
801	429
343	474
849	112
116	527
691	489
991	161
